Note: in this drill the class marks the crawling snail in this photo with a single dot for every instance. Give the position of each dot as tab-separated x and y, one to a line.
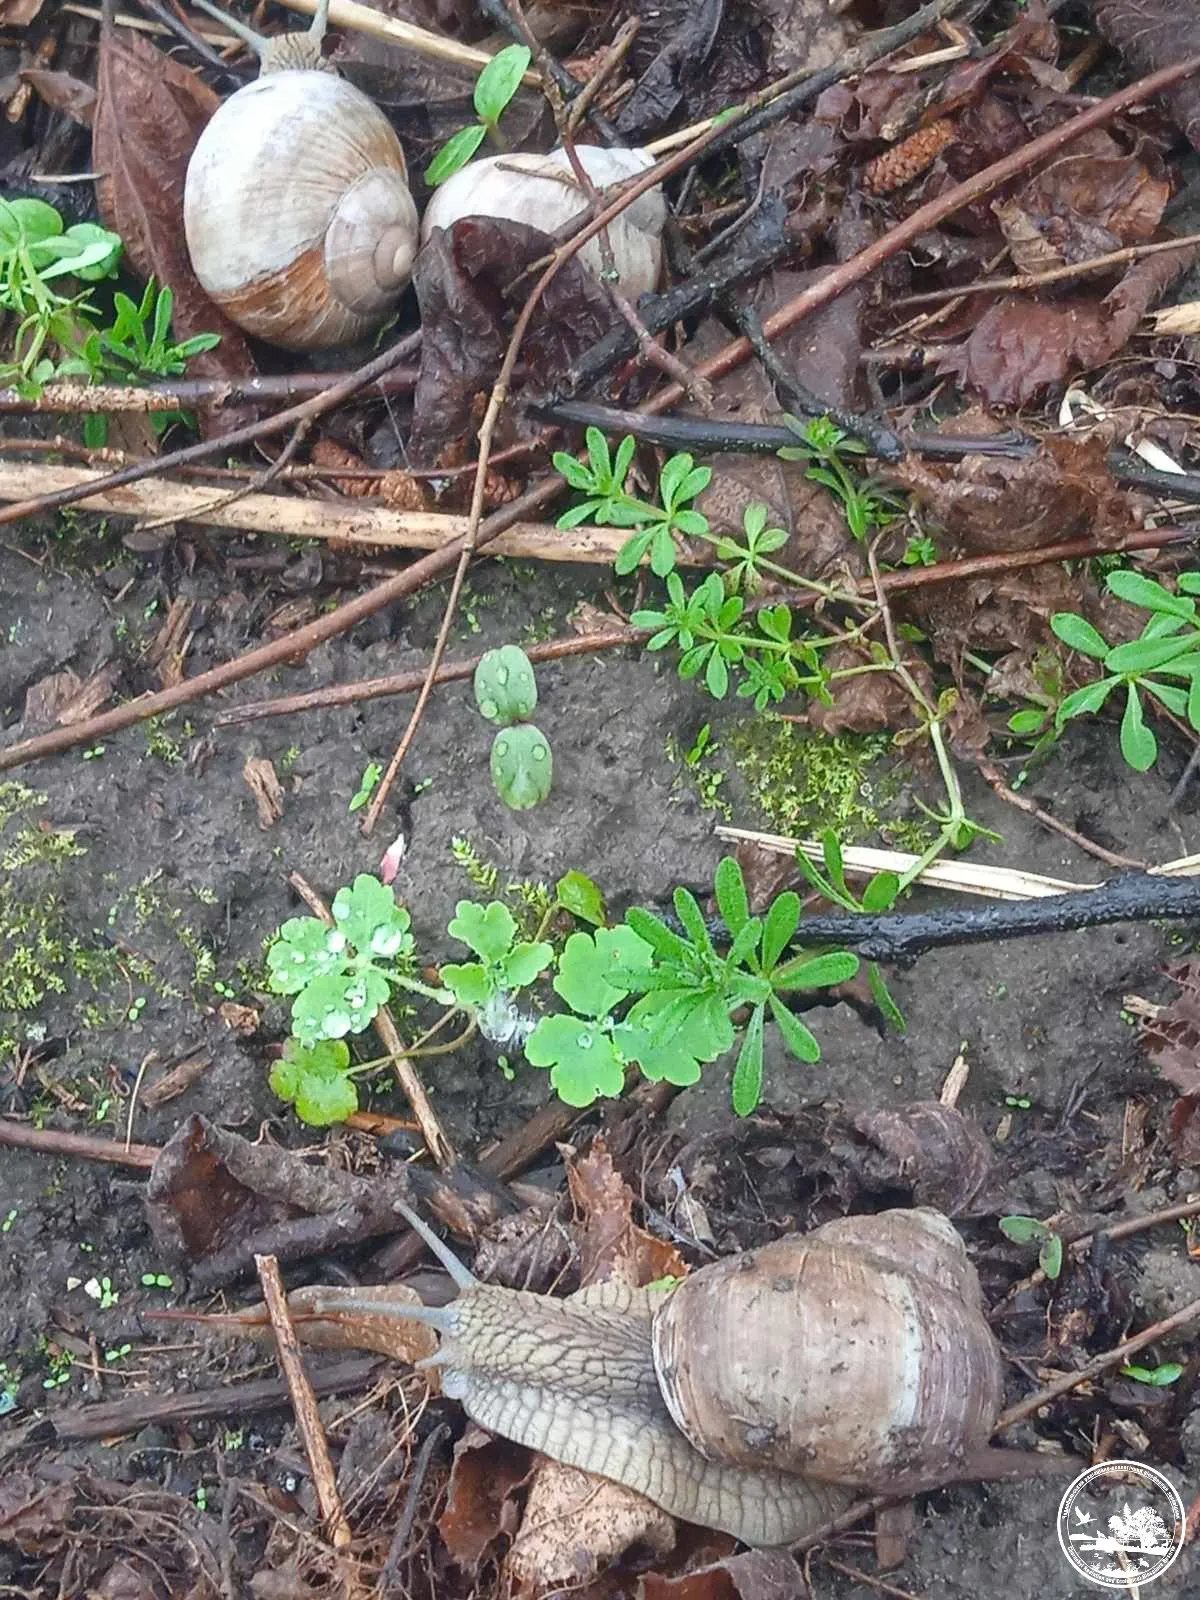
760	1393
542	191
298	216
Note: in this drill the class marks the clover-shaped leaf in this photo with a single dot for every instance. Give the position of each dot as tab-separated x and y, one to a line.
336	1004
589	967
470	983
524	962
581	1056
368	916
303	951
315	1080
489	930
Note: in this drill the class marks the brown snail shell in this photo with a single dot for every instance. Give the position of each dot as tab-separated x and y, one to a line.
858	1354
298	216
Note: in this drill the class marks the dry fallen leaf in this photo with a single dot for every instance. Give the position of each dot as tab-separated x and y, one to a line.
1151	34
575	1526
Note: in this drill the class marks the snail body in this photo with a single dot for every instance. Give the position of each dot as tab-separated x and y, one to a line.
298	216
542	192
759	1394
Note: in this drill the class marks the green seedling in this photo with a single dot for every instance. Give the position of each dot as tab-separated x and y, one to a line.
341	976
522	766
119	1353
688	994
485	988
367	785
506	693
602	479
102	1292
1167	648
880	894
1028	1230
505	686
867	506
494	90
1160	1377
576	893
315	1078
157	1280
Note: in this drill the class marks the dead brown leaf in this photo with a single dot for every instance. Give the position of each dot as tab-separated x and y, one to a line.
575	1526
611	1246
64	697
34	1515
149	113
752	1575
1021	347
239	1019
19	13
1151	34
62	92
177	1079
481	1500
1171	1040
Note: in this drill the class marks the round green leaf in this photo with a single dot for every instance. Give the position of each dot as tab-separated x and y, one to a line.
522	767
505	687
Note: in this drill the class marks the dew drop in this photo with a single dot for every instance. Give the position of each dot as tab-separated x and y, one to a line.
501	674
502	748
585	1041
539	752
489	709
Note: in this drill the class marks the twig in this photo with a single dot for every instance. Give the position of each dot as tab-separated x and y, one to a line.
304	1403
366	19
931	215
357	523
180	394
1116	1357
261	480
902	936
139	1411
432	1132
992	775
1023	281
866	1579
85	1146
613	57
389	1579
316	406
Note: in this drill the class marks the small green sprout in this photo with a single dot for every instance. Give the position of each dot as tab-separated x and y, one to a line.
157	1280
316	1080
1160	1377
1028	1230
367	784
102	1292
494	90
506	693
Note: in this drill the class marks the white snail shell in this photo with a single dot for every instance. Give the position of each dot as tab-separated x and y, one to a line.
541	191
298	216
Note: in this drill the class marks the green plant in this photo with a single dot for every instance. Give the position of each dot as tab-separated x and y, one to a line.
1160	1377
494	89
341	976
1167	648
880	894
1028	1230
102	1292
372	773
506	693
315	1078
602	479
688	995
866	504
506	964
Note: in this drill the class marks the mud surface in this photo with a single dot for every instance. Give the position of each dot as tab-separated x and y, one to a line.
178	887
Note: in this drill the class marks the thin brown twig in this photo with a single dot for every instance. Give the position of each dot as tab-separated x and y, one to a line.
865	1578
340	694
992	776
613	56
1119	1230
1115	1357
407	1076
87	1146
261	480
304	1403
928	216
1025	281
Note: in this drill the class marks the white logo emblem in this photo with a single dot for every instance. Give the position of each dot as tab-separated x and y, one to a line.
1121	1524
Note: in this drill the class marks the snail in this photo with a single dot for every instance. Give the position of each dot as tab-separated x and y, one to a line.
542	191
297	212
757	1395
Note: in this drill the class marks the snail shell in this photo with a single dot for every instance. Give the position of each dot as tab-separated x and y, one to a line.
870	1359
542	192
298	216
